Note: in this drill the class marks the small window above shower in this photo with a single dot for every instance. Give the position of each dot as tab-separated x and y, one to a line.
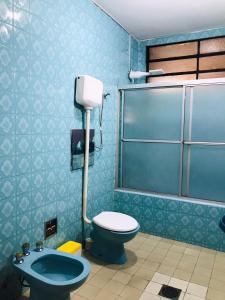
190	60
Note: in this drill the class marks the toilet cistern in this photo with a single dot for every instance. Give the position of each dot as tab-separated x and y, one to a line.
89	93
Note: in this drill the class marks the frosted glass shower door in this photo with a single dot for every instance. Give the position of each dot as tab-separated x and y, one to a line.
204	143
151	139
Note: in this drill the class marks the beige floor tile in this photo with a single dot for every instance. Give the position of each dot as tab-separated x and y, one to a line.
170	262
189	258
95	268
215	295
217	285
177	248
197	290
147	247
201	271
77	297
165	269
178	283
122	277
161	278
150	243
159	251
142	253
218	275
186	266
131	269
153	288
205	263
99	281
156	257
88	291
181	274
105	272
145	273
152	265
181	244
148	296
130	293
219	267
104	294
192	297
193	252
174	255
199	279
165	244
114	287
209	251
138	282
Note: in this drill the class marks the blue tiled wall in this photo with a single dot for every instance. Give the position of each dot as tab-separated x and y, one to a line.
181	220
134	48
44	45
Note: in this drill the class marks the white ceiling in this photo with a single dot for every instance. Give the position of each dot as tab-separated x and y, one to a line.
146	19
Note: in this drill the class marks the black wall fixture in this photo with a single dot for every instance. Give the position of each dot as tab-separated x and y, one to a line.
78	148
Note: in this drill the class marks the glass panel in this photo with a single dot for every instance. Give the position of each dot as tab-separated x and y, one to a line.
211	75
207	172
208	117
153	114
151	167
212	62
175	50
171	78
212	45
174	66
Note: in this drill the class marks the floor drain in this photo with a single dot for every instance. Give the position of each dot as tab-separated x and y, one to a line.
170	292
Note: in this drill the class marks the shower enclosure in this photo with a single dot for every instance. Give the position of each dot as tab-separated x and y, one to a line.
172	139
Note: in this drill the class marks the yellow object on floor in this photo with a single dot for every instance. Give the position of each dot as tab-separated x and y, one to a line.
71	247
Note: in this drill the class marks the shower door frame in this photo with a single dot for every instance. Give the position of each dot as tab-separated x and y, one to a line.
120	138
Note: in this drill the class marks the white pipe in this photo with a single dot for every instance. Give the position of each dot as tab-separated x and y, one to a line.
140	74
86	163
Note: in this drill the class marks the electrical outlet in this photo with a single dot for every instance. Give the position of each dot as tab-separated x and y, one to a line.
50	228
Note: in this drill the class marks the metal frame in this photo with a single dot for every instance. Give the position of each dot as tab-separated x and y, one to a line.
182	142
198	55
189	138
182	138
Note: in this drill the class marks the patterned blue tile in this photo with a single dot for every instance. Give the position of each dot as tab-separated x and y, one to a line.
6	11
175	219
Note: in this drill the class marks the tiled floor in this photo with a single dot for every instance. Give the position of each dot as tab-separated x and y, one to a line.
153	261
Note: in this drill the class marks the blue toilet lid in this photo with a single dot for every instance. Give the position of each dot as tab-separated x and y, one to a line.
115	221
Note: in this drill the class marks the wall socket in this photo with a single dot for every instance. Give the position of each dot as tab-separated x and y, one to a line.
50	228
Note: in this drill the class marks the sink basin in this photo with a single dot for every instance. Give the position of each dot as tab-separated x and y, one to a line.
53	274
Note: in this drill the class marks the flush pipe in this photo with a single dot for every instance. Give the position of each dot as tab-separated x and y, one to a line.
86	164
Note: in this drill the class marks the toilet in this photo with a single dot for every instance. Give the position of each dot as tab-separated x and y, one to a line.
52	274
110	230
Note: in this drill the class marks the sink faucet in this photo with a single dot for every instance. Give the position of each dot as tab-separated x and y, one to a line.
25	248
19	257
39	246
